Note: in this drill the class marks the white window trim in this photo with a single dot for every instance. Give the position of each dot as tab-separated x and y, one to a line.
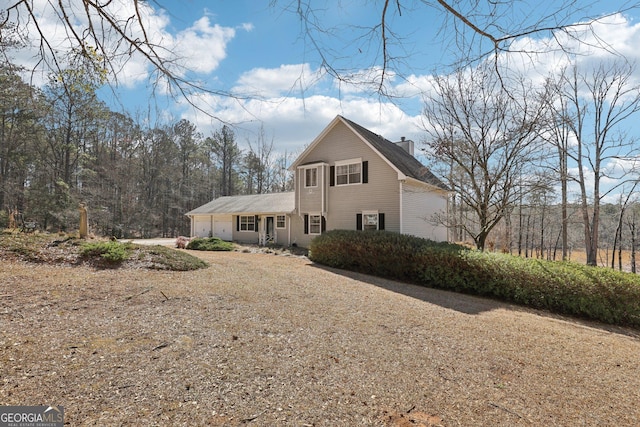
345	163
284	220
252	223
319	215
376	213
305	177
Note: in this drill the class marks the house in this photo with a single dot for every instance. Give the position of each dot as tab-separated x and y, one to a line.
347	178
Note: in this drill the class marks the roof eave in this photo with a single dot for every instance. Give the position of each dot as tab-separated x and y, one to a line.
428	185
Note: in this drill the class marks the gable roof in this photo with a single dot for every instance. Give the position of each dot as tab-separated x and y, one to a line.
404	163
271	203
398	156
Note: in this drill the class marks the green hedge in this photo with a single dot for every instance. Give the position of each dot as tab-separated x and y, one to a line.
209	244
562	287
112	252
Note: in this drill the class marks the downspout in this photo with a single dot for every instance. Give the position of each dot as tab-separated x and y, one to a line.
322	196
298	191
401	208
448	211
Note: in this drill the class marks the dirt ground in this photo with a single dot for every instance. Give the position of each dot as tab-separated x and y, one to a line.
274	340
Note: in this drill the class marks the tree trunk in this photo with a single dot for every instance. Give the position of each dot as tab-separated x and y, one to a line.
632	226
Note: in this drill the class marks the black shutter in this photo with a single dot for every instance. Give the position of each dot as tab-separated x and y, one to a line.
238	223
365	172
332	176
255	223
306	224
380	221
323	224
359	221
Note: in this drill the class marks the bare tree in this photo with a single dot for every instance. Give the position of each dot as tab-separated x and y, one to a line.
598	104
114	31
488	138
557	133
617	241
109	33
473	29
283	177
631	223
259	165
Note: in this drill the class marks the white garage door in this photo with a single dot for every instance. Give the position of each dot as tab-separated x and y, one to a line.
223	227
202	226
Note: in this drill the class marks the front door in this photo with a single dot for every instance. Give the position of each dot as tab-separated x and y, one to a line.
270	237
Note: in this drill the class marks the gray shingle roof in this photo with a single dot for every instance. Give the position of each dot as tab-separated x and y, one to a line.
405	162
272	203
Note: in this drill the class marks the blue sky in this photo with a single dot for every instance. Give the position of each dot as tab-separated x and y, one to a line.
255	49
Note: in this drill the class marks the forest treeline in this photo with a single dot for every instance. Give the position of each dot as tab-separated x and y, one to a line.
61	146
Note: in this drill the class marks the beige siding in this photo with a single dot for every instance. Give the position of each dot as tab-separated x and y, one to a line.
380	194
311	198
298	237
419	205
243	236
281	235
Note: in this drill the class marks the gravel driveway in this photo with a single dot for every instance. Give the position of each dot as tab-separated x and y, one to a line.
266	340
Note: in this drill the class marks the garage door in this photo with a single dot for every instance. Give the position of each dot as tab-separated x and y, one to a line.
223	227
202	226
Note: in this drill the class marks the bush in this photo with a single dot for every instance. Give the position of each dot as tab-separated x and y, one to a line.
165	258
561	287
112	252
209	244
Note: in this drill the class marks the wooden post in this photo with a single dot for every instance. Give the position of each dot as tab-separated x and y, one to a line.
84	224
12	219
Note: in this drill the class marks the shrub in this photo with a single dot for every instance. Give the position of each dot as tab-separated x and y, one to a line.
561	287
209	244
112	252
379	253
169	259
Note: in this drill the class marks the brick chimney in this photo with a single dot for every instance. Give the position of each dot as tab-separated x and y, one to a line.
406	145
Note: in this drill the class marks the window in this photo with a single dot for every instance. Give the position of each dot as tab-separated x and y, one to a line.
315	224
349	173
311	177
370	221
247	223
281	221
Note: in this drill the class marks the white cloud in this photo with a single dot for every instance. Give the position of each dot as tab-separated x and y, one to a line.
294	122
247	26
416	86
587	44
274	82
199	48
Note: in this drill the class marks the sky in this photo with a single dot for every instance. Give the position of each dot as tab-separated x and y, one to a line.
260	52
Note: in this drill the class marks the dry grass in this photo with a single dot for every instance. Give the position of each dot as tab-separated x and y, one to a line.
604	258
265	340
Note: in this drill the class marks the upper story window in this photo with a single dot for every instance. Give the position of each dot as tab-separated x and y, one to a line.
311	177
349	173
